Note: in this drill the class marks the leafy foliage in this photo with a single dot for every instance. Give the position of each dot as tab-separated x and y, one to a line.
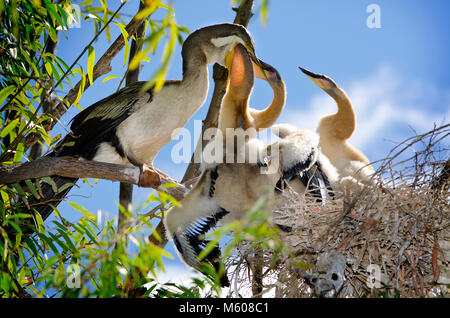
34	256
71	259
87	257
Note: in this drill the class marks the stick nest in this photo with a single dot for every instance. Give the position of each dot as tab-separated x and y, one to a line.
386	241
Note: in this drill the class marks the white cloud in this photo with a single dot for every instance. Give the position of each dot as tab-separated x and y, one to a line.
177	274
387	105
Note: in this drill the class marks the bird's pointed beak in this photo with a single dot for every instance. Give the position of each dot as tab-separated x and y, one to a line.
229	59
265	71
320	80
257	65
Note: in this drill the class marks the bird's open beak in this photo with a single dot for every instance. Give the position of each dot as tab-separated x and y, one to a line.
258	71
265	71
258	67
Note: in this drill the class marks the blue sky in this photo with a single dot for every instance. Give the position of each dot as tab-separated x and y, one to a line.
397	75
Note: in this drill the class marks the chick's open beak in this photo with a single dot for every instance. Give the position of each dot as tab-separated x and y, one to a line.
257	66
265	71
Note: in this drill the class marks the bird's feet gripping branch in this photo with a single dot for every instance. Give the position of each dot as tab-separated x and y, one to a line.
150	177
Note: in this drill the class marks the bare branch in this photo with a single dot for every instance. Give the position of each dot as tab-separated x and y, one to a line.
79	168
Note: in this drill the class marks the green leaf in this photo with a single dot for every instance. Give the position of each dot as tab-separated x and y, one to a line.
40	223
48	68
19	216
82	210
19	189
61	61
67	240
90	232
159	76
264	11
15	227
30	244
48	242
126	41
208	248
91	61
55	16
51	183
5	131
109	77
83	84
32	188
5	198
60	243
6	92
148	10
65	186
170	9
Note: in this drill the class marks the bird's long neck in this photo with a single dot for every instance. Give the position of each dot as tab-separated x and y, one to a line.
230	115
194	61
263	119
195	76
342	124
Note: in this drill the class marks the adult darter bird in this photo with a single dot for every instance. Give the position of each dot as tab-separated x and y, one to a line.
131	127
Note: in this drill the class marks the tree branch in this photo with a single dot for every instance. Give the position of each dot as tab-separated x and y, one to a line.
80	168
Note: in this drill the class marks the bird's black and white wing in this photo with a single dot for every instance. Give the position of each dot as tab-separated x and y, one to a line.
98	123
188	223
302	161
